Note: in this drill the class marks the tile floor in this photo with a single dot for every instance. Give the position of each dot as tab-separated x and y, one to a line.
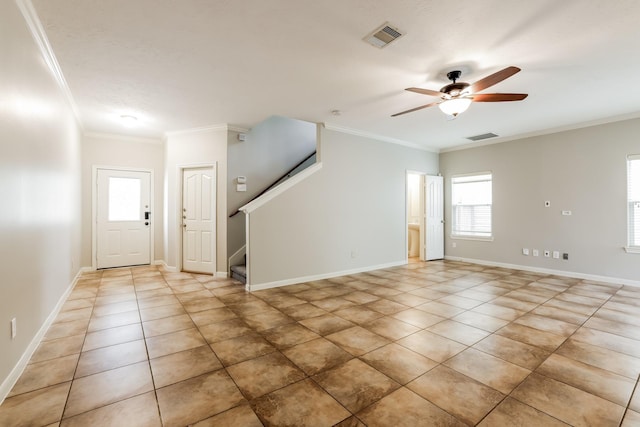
438	343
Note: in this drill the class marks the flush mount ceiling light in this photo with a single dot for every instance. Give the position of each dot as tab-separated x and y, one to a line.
128	120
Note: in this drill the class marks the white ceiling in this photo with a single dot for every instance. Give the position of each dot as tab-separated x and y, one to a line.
184	64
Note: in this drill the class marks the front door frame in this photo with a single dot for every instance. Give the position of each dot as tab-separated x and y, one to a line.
94	210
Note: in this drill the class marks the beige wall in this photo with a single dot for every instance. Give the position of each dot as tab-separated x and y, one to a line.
583	171
40	187
124	152
191	149
355	204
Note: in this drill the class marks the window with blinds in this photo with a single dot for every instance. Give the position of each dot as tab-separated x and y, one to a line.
471	200
633	201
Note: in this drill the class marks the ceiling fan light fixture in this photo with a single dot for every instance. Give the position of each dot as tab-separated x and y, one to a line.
455	106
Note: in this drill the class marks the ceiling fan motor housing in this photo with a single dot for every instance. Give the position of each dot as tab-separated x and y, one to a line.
454	89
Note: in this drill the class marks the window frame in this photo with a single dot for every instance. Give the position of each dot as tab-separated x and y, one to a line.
635	248
462	236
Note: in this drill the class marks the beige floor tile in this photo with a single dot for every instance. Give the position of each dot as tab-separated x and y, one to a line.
608	340
398	363
115	308
214	315
108	387
635	401
357	340
262	375
174	342
203	304
601	357
198	398
240	416
66	329
70	315
360	297
560	314
390	328
410	300
60	347
572	307
176	367
404	408
326	324
113	299
332	303
631	419
459	332
169	310
157	301
433	346
599	382
139	411
112	336
358	314
239	349
481	321
614	327
499	311
547	324
36	408
166	325
303	311
301	404
492	371
535	337
441	309
511	413
418	318
459	395
267	320
44	374
567	403
317	355
113	320
516	352
221	331
289	335
386	307
114	356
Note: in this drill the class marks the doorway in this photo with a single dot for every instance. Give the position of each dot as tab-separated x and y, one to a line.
122	218
425	217
199	220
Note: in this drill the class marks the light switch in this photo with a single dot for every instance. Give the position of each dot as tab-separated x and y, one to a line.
241	187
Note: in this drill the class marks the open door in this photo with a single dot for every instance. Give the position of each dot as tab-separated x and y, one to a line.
434	218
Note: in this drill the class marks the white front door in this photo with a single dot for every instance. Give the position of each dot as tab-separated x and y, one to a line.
123	223
434	204
198	220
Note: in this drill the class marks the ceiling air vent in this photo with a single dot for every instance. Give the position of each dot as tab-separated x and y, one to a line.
382	36
481	137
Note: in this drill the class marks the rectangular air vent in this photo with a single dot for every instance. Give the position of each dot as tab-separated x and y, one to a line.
382	36
481	137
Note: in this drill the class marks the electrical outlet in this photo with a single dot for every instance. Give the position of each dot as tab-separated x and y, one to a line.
536	252
547	253
547	203
556	254
14	328
525	251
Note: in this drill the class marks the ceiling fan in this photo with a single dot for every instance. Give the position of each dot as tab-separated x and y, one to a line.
456	97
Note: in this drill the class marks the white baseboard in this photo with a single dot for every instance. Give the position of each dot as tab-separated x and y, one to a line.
296	280
19	368
573	274
221	274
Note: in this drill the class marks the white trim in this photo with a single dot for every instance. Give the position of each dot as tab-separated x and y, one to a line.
221	274
475	238
237	255
94	210
549	131
381	138
40	36
197	130
125	138
19	368
281	188
573	274
296	280
632	249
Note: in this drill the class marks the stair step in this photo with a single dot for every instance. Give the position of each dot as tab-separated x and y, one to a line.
239	272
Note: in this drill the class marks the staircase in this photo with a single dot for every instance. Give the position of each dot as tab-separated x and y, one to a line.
239	272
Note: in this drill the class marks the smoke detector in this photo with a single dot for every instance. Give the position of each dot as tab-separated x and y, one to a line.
383	35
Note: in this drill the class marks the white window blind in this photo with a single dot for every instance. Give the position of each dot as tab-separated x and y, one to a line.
471	200
633	201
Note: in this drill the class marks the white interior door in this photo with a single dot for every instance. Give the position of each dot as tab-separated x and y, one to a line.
123	223
434	219
198	220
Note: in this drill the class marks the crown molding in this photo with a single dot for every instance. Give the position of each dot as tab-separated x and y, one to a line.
39	35
364	134
126	138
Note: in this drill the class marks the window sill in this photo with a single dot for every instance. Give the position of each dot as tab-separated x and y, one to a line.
476	238
632	249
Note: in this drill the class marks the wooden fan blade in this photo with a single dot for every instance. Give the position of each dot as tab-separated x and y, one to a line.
498	97
425	91
415	109
493	79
